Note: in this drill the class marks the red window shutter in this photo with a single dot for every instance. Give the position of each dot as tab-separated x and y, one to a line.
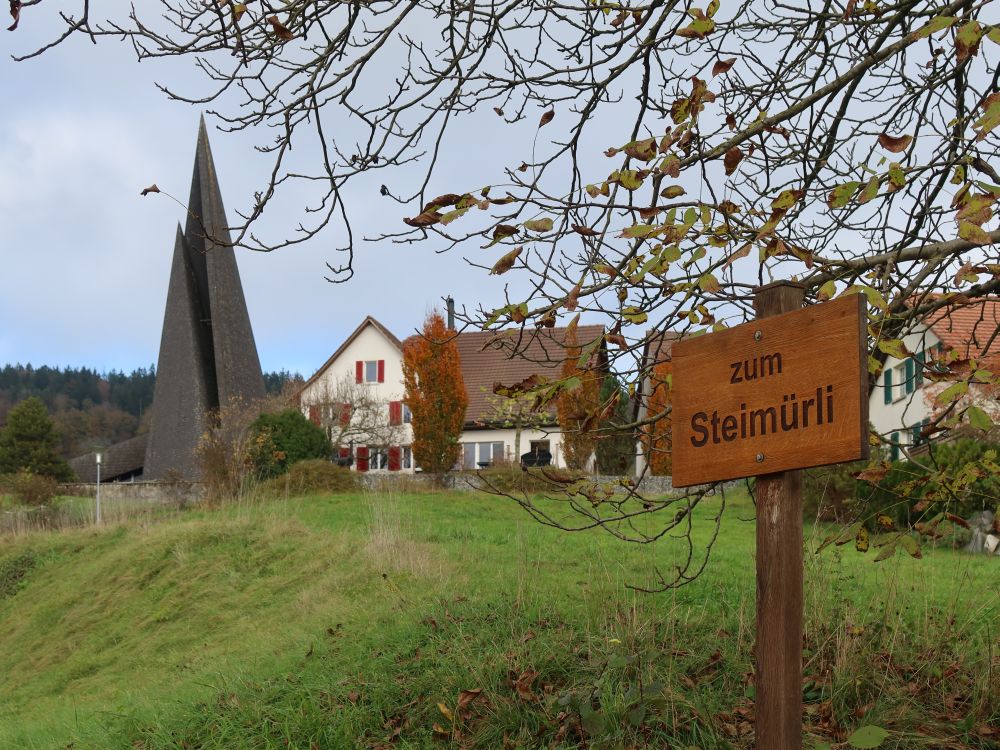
395	458
345	414
395	412
381	371
344	452
359	371
314	414
362	458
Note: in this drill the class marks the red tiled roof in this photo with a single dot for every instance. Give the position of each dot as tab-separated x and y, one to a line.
509	357
971	329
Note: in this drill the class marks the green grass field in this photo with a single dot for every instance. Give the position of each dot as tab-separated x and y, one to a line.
357	621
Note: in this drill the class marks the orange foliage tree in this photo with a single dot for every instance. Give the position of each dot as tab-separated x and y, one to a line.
577	406
658	437
435	393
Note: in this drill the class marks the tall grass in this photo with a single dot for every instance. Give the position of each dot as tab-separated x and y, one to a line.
358	621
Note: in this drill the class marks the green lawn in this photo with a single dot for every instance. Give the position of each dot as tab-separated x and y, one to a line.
342	622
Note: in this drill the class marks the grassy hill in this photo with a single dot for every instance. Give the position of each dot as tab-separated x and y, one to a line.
359	620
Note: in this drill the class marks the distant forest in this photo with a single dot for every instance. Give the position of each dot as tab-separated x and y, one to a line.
93	410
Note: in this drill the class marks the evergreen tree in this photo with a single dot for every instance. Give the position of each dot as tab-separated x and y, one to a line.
30	442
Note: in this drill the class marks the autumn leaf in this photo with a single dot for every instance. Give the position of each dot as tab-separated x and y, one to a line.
979	419
873	474
498	111
895	144
709	283
424	219
546	118
973	233
238	10
861	540
585	231
939	23
15	13
732	159
841	195
990	118
893	347
952	393
699	28
722	66
151	189
967	40
538	225
870	191
505	263
280	30
826	291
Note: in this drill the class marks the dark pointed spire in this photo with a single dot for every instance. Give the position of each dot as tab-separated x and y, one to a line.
208	357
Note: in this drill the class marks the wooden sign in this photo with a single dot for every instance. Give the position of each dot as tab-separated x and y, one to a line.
775	394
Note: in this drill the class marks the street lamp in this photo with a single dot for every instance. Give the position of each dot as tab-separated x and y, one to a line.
98	488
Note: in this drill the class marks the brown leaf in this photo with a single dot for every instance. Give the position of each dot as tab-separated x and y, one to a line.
425	219
523	685
585	231
448	199
498	111
732	159
546	118
895	144
874	474
504	230
731	121
280	30
506	263
151	189
15	13
722	66
467	696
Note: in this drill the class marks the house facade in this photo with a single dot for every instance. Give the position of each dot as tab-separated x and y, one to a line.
903	400
357	397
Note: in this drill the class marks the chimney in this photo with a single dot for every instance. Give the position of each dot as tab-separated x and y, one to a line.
450	302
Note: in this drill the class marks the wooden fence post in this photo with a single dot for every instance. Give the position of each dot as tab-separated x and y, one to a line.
778	703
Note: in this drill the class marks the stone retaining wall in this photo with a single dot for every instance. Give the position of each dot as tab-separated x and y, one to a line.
151	492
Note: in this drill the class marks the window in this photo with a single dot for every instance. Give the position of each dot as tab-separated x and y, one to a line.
887	386
369	371
378	458
406	457
407	415
469	456
899	375
894	447
498	452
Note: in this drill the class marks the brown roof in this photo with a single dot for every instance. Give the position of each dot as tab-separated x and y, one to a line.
509	357
368	321
971	329
118	460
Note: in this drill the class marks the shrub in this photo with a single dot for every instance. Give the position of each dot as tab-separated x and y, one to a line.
313	476
515	480
13	571
285	439
28	489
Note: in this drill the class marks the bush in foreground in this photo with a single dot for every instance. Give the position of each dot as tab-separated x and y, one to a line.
284	439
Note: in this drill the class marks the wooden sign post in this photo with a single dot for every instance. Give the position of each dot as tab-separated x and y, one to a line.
767	398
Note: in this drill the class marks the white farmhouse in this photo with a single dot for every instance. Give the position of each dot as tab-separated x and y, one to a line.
357	396
902	402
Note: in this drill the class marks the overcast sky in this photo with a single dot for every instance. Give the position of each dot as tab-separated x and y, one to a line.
86	259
